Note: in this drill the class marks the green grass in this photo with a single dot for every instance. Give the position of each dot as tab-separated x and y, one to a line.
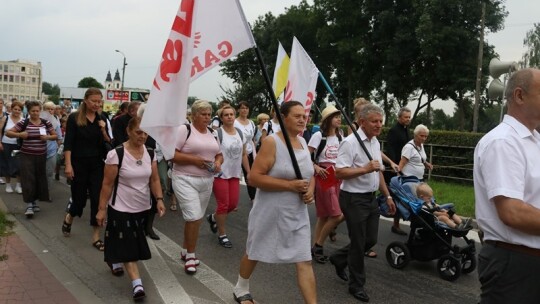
461	195
5	229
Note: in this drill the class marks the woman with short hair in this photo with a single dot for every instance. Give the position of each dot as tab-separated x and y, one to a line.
413	156
196	159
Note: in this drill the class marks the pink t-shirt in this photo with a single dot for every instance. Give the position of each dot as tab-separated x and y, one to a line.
204	145
134	182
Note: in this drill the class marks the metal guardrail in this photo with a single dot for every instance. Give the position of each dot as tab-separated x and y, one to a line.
456	166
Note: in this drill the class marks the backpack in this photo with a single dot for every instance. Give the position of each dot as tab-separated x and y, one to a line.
321	146
188	126
269	131
220	134
25	125
216	118
120	152
6	115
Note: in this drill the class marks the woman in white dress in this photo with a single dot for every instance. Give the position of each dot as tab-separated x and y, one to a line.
278	226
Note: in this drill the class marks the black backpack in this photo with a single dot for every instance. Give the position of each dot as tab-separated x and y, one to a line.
120	152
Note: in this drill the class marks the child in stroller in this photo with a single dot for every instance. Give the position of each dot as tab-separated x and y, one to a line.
446	216
429	238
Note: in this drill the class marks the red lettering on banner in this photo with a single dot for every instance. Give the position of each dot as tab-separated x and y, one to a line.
309	101
225	49
172	60
183	26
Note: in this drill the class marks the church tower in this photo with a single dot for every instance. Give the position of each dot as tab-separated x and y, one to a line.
117	82
108	81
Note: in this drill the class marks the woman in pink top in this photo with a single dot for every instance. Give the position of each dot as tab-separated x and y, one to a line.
197	158
126	203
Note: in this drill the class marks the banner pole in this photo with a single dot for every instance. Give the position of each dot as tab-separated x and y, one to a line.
347	119
278	113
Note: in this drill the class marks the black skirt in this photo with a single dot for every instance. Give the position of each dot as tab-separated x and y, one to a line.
124	237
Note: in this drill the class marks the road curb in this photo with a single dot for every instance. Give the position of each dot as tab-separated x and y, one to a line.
72	283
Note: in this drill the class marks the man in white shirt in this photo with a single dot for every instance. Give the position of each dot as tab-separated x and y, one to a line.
507	192
361	178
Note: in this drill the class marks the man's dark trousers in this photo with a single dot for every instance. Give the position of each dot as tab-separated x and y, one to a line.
361	213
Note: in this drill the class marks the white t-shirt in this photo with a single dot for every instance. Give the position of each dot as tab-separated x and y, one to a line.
9	124
134	183
275	127
506	163
351	155
329	153
231	148
248	131
415	165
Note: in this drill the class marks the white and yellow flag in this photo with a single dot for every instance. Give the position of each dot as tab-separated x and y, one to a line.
279	82
204	34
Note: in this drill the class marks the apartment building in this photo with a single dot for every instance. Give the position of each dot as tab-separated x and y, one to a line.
20	79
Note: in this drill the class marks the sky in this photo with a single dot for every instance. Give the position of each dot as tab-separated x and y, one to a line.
76	39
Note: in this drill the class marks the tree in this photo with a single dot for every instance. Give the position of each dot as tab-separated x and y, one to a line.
89	82
53	91
532	41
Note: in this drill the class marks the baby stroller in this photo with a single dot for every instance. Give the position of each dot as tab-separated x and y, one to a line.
428	239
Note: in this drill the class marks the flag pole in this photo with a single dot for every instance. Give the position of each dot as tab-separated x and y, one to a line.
278	113
347	119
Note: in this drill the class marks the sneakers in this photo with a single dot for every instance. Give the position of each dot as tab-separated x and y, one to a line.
2	181
183	258
29	212
9	189
212	222
190	267
36	208
18	189
224	241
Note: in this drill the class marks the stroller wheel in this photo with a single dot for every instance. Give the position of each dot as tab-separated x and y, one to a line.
468	263
398	255
449	267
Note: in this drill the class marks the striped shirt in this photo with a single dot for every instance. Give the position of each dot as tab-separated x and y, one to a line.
33	144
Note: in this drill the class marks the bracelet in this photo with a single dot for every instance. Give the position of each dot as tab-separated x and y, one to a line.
159	198
389	197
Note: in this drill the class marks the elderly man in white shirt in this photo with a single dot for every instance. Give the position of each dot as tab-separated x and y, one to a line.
507	192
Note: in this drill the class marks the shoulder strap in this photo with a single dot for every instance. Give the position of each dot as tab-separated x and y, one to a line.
151	153
120	153
321	146
5	123
188	126
418	150
269	127
240	133
220	134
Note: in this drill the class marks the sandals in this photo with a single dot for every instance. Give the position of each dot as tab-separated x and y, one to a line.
184	259
318	255
224	241
66	228
117	272
212	222
99	245
173	207
370	254
138	293
190	267
246	297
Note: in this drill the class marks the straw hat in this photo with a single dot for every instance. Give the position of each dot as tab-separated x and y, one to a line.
328	111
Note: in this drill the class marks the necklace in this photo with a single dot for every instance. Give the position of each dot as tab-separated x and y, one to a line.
138	156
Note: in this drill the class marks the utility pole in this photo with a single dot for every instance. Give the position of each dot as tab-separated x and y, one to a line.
479	69
123	69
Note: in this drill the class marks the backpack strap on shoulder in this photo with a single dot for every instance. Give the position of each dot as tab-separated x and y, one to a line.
120	153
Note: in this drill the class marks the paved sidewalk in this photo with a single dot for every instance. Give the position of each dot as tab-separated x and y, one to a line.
25	279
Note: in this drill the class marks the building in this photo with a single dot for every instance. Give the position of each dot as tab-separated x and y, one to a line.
20	79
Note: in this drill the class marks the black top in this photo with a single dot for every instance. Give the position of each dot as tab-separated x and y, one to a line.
119	126
397	137
83	141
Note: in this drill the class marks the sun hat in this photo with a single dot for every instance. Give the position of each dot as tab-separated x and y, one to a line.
328	111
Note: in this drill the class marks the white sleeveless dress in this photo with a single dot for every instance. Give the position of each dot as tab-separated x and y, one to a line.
278	226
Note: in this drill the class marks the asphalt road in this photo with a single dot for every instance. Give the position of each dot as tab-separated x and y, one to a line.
166	282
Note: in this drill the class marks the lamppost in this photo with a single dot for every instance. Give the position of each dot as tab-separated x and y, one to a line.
123	68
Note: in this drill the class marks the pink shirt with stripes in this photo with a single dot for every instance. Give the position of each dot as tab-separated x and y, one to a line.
33	144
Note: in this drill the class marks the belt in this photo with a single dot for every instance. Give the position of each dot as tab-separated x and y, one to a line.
370	194
517	248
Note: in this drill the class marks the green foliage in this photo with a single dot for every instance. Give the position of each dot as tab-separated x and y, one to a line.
532	42
53	91
89	82
461	195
